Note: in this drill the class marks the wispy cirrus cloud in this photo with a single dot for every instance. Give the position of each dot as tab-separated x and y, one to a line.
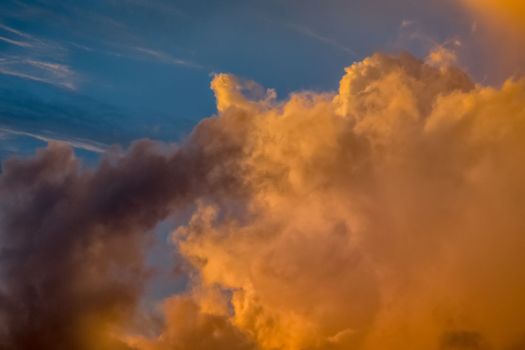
15	42
312	34
16	37
320	37
138	53
35	59
46	59
21	34
52	73
164	57
87	145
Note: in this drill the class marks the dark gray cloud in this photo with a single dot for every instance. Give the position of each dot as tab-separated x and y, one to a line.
71	262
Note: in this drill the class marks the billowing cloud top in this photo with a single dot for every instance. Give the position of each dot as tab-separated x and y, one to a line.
387	215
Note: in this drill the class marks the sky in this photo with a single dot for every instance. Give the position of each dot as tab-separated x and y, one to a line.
262	175
100	73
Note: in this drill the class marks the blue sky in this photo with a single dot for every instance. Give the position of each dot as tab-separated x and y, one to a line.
103	72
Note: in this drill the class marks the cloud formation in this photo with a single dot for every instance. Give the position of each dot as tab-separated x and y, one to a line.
386	215
73	240
36	59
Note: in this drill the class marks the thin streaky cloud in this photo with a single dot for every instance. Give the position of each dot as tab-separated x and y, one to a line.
34	67
33	77
81	47
312	34
31	40
18	32
23	75
35	46
321	38
16	42
138	53
59	70
83	144
164	57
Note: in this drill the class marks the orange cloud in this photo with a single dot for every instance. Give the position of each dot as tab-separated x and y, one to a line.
386	215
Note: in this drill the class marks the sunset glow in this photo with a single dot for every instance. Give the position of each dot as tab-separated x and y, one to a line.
382	209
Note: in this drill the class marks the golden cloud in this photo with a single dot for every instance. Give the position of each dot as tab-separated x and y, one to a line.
386	215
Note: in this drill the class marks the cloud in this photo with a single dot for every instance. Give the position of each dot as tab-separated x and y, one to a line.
386	215
28	41
321	38
442	56
189	327
368	212
308	32
165	57
15	42
15	31
75	143
31	41
36	60
51	73
80	250
140	53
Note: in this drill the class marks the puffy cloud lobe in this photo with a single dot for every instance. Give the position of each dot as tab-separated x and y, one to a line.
190	327
70	252
73	240
383	216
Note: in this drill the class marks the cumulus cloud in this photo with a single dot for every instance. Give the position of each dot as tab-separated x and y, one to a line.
386	215
73	239
189	326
